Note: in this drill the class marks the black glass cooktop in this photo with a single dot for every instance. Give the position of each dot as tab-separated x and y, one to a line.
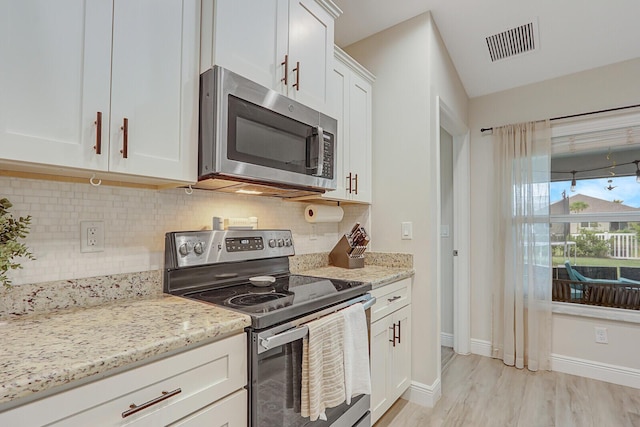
290	296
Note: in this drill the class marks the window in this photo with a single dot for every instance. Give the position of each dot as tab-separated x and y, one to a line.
595	216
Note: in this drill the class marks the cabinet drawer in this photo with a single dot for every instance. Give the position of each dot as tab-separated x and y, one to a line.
228	412
390	298
194	379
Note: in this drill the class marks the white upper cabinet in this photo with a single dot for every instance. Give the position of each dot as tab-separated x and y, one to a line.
351	103
54	80
155	83
73	71
285	45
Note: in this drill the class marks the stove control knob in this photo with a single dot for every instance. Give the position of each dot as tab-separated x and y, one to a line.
287	242
198	248
184	249
280	243
272	243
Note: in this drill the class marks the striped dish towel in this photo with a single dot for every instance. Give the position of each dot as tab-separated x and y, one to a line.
323	366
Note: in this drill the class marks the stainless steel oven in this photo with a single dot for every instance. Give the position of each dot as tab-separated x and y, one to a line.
251	133
217	267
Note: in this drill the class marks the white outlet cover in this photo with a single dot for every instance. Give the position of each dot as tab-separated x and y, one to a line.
98	238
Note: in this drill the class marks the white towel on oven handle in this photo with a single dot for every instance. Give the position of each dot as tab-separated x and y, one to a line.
357	378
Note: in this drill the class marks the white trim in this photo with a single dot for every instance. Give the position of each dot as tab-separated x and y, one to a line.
612	120
330	7
446	340
596	370
423	394
448	120
591	217
596	312
353	64
481	347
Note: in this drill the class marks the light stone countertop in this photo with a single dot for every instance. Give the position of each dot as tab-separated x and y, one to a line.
376	275
42	352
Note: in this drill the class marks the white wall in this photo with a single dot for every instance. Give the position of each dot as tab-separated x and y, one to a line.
135	223
412	69
602	88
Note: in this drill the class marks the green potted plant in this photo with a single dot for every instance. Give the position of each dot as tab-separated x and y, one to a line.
11	231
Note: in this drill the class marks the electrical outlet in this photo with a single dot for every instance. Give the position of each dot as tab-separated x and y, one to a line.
91	236
313	233
601	335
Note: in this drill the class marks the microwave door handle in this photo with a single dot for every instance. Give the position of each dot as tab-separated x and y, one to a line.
283	338
320	151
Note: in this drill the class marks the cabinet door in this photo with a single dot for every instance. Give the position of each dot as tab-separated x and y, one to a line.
155	84
54	79
360	138
311	33
339	106
400	366
250	38
381	358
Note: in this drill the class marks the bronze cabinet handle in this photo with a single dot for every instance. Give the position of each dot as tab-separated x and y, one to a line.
397	297
285	79
133	408
356	190
394	334
399	333
349	179
98	122
125	138
297	70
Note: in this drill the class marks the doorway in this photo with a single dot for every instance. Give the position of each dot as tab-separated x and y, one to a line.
447	233
453	275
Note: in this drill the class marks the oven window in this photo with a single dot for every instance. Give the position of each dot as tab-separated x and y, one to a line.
263	137
275	395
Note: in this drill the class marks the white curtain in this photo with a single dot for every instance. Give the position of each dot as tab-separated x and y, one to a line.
521	330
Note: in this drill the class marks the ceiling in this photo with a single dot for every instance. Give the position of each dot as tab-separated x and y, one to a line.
574	35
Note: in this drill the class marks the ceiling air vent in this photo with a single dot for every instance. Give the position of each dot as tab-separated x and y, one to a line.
512	42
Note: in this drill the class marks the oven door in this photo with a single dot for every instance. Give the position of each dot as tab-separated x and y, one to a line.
274	389
275	366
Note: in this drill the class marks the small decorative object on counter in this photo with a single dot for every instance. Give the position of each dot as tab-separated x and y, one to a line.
11	230
349	251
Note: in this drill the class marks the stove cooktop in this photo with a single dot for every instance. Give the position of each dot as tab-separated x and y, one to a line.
289	297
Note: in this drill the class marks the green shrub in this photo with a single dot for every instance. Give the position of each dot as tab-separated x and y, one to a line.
589	245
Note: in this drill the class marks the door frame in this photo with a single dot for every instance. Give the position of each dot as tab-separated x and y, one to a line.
448	120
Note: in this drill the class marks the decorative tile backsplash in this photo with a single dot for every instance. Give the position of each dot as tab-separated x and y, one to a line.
135	221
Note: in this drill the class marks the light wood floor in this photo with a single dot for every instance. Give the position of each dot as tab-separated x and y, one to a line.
483	392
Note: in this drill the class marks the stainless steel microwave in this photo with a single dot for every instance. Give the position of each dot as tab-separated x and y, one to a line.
251	134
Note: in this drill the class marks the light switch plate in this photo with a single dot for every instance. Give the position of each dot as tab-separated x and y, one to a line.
407	231
444	230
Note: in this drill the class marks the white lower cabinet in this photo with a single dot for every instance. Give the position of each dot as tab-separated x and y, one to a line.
390	345
203	386
228	412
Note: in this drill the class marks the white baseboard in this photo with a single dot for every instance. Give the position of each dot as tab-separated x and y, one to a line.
480	347
621	375
423	394
446	340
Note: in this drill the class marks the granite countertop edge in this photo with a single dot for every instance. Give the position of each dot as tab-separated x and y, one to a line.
96	341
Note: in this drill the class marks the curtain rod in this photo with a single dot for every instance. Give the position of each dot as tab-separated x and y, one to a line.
608	110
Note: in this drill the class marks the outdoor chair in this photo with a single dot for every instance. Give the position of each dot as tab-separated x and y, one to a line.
577	277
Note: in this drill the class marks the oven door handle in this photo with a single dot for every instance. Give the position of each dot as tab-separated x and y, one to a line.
301	331
368	304
284	337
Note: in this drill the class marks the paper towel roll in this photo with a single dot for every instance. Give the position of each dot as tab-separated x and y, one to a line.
322	213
